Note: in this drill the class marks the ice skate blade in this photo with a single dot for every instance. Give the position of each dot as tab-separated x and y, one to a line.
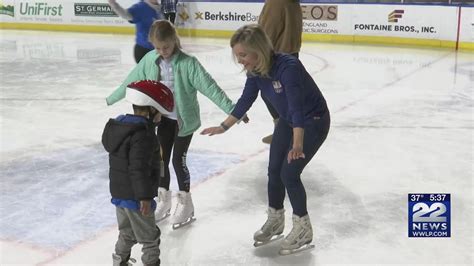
285	252
168	214
187	222
131	261
273	239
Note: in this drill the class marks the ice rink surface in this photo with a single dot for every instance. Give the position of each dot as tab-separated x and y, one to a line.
402	122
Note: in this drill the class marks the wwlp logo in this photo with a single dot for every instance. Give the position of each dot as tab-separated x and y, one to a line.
429	215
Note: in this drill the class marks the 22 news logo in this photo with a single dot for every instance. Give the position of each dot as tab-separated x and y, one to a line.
429	215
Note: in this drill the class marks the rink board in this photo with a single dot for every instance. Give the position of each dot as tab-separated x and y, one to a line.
374	23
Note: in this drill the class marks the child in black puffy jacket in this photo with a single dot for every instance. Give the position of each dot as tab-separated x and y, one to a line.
134	159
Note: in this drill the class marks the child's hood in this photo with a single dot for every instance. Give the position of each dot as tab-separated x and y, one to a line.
117	130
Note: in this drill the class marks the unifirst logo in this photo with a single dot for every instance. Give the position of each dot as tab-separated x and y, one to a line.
40	9
395	15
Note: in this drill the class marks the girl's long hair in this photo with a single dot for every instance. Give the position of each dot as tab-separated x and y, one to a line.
163	30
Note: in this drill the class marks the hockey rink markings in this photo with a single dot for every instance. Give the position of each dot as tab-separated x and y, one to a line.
60	199
389	84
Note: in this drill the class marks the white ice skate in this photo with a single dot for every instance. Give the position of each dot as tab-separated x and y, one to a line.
272	229
163	204
184	212
299	238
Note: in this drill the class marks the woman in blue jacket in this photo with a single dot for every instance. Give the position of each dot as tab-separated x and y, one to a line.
302	128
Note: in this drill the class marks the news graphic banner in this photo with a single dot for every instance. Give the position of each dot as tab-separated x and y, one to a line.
428	25
429	215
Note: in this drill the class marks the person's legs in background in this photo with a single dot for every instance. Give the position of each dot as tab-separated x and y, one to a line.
139	52
171	17
275	116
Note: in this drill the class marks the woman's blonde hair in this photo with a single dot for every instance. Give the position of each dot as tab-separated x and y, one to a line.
163	30
254	40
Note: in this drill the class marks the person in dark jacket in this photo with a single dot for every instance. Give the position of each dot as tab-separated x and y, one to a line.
168	7
134	156
300	132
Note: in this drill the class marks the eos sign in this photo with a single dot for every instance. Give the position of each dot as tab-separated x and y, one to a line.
313	12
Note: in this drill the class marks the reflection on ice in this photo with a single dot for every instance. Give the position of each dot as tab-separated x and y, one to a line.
59	199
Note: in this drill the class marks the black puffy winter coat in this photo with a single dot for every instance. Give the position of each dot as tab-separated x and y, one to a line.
134	159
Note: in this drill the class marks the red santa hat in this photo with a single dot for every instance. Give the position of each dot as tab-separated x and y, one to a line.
150	93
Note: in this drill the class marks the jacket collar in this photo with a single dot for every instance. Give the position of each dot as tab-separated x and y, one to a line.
174	58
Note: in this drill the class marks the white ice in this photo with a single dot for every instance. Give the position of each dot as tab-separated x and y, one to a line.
402	122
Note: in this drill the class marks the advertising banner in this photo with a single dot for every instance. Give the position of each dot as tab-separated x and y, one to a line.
323	19
341	21
92	13
420	22
217	16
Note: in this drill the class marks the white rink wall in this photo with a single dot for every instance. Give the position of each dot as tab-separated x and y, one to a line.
426	25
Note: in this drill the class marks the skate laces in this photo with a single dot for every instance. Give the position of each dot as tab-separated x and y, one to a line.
294	233
300	227
161	196
273	218
181	199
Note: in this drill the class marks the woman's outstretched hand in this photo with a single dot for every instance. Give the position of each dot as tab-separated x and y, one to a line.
295	154
212	131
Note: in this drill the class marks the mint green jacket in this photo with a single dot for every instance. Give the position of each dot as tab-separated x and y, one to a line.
189	78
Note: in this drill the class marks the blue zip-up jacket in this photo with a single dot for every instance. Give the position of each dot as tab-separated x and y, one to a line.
289	87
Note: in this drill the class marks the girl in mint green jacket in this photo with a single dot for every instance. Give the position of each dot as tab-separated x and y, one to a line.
185	76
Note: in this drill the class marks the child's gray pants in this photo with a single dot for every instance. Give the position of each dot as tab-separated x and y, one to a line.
134	227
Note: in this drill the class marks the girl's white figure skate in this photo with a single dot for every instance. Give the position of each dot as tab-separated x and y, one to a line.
299	238
184	212
272	229
163	204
